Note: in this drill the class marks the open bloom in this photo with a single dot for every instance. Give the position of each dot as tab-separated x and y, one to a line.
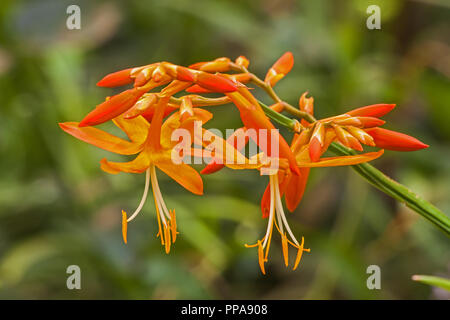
154	145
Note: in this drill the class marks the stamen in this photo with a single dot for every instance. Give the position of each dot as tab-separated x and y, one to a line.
261	257
144	196
300	253
157	193
124	226
167	238
173	225
284	245
281	211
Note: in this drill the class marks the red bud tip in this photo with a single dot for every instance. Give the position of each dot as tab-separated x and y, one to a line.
374	110
112	108
115	79
392	140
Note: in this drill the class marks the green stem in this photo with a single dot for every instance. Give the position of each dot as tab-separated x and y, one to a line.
433	281
289	123
380	180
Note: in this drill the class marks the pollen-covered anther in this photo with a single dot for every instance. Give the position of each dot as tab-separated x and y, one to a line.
124	226
300	253
173	225
277	218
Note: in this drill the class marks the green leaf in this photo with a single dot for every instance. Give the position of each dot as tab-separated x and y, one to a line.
433	281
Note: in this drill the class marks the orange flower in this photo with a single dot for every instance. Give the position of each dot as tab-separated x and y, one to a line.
153	143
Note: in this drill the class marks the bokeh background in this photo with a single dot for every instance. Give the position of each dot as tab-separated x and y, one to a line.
57	208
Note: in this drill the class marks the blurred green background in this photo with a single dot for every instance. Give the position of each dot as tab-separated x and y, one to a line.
57	208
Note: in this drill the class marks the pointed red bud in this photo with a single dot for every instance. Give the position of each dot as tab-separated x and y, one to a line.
112	107
392	140
115	79
215	83
375	110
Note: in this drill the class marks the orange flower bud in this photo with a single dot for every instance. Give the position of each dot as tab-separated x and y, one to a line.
280	68
115	79
375	110
141	106
218	65
186	108
370	122
112	107
242	61
346	138
197	89
361	135
215	83
393	140
306	104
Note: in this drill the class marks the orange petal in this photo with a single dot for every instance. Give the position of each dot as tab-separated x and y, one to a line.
174	122
375	110
136	129
342	160
185	175
112	107
138	165
101	139
265	202
238	139
393	140
296	188
154	136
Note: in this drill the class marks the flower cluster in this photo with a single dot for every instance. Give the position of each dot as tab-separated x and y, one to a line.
150	118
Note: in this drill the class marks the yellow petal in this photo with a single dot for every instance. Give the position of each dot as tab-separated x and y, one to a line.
136	128
138	165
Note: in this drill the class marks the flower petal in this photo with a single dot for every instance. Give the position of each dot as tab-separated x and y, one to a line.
137	165
296	188
101	139
182	173
342	160
136	128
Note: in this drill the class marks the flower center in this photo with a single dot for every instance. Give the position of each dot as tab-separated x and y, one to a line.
278	218
167	225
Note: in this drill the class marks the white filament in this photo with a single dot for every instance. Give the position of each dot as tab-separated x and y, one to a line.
144	196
